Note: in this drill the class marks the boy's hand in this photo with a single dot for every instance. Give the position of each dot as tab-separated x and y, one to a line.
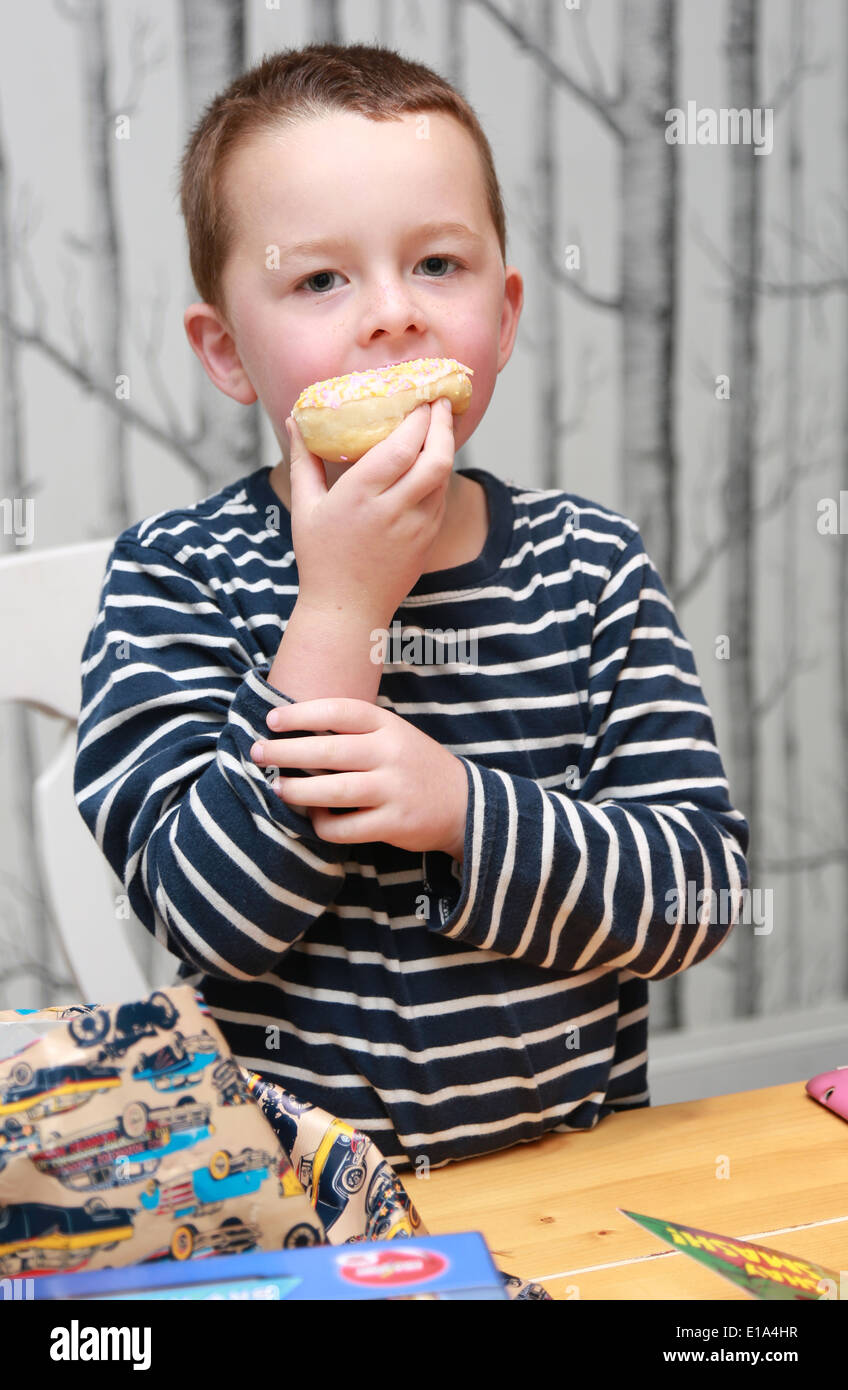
361	545
412	793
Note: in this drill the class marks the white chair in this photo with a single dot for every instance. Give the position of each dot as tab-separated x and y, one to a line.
48	603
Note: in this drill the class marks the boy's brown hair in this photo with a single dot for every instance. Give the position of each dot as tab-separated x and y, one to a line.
297	84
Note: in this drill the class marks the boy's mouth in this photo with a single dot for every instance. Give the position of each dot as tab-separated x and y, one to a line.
396	362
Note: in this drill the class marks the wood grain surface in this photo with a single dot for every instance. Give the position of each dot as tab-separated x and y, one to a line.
548	1209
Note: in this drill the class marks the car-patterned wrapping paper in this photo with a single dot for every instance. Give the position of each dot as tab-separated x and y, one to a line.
129	1133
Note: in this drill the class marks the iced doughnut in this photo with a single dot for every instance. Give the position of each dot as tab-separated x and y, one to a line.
343	417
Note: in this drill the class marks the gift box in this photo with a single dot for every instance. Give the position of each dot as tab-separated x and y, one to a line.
437	1267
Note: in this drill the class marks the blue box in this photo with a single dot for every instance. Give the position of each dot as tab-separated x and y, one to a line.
444	1267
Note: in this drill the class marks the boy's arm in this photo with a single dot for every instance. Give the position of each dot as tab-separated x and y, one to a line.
174	693
326	654
599	877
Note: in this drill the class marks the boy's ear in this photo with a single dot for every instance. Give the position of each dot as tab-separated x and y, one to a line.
213	343
511	313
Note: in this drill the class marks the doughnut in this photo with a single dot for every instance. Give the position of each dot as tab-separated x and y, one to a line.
342	418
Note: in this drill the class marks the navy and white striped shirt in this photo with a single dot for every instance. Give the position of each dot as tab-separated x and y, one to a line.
447	1010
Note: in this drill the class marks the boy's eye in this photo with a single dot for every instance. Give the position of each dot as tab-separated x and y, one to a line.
319	275
443	259
323	275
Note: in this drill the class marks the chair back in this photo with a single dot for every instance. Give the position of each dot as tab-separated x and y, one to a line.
48	602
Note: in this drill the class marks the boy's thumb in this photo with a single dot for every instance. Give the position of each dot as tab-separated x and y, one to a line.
306	471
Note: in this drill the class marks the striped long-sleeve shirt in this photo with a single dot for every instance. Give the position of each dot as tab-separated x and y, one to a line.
447	1009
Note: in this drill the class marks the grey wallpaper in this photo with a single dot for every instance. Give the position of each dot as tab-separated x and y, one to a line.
676	182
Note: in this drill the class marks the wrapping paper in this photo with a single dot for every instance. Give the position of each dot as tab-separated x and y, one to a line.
129	1133
355	1192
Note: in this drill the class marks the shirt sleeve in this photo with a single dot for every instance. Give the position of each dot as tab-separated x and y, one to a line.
224	873
640	863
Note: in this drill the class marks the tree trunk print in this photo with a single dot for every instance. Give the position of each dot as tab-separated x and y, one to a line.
213	39
105	327
792	423
325	21
742	49
841	606
649	168
549	363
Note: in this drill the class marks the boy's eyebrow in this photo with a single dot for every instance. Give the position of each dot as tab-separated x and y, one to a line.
425	229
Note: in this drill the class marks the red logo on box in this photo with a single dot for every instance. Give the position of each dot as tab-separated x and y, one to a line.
386	1267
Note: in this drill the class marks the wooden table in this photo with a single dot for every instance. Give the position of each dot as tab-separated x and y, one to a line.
548	1209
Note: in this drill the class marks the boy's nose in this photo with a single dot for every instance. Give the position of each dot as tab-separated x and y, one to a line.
394	312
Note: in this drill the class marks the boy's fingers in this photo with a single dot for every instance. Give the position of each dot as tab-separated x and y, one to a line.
431	423
306	474
429	480
330	714
387	461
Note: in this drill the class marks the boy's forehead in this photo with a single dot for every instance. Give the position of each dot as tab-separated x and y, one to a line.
321	166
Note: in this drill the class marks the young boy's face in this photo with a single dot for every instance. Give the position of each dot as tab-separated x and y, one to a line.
386	285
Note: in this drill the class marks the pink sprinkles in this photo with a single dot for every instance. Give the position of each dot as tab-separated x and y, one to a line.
378	381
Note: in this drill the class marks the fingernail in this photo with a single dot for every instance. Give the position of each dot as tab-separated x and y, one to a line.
257	752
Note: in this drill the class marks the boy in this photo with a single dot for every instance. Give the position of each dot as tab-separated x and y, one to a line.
457	962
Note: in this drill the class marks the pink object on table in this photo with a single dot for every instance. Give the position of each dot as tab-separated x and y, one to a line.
830	1089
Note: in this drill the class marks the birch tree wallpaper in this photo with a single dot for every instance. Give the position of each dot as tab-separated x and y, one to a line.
676	186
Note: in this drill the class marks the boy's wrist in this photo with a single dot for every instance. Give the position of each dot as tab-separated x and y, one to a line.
456	850
326	653
455	843
354	616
